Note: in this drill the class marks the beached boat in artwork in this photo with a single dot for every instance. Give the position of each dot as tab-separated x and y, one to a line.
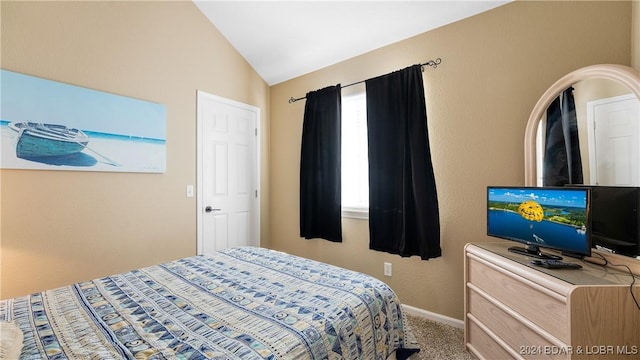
44	140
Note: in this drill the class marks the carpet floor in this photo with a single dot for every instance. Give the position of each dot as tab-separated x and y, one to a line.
438	340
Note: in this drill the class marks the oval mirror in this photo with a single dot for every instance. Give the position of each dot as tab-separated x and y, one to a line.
585	129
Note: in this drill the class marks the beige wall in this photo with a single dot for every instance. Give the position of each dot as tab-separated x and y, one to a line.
494	68
635	35
60	227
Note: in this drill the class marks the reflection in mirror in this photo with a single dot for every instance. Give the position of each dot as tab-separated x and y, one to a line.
606	97
596	141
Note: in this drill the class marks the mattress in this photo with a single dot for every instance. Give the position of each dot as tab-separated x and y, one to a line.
241	303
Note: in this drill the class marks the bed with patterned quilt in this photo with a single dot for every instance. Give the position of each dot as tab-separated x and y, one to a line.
240	303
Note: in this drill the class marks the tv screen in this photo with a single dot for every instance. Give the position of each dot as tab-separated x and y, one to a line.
553	218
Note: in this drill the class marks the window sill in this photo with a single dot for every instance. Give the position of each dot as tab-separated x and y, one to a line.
355	213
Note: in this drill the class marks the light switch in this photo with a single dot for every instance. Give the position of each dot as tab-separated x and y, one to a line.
189	190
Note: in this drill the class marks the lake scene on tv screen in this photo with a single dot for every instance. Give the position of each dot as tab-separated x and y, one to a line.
553	218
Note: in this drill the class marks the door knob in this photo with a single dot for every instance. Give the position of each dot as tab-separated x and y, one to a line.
209	209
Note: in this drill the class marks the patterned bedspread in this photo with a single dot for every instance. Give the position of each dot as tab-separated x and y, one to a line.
241	303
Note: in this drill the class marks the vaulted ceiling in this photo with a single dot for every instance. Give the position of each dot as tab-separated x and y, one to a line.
286	39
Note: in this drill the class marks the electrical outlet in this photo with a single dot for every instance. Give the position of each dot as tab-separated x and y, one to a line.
387	269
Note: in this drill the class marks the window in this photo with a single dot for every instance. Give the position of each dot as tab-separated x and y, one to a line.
355	163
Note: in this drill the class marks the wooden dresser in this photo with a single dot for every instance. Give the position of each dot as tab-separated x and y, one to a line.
514	310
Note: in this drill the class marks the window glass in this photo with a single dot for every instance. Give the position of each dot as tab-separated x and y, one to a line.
355	163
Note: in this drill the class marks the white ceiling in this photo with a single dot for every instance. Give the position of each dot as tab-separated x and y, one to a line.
286	39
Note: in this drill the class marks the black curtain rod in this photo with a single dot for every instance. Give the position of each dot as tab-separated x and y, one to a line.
433	63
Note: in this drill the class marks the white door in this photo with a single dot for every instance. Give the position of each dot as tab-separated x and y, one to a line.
228	204
615	153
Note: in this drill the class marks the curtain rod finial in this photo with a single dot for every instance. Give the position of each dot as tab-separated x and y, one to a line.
433	63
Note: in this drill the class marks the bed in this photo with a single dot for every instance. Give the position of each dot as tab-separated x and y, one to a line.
240	303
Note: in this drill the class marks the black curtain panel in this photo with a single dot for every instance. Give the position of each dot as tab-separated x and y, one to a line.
554	166
403	202
562	163
572	144
320	172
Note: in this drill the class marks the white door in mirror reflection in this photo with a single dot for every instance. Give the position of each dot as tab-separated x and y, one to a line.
614	141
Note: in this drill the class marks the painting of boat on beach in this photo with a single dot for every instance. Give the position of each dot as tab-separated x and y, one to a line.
48	125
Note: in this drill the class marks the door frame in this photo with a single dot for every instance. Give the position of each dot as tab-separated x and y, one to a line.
199	166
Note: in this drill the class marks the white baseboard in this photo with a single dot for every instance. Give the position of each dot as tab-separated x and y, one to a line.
433	316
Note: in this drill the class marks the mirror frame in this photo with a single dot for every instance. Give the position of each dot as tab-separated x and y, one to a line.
623	74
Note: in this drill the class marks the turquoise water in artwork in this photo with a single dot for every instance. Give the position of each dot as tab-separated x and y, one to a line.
100	135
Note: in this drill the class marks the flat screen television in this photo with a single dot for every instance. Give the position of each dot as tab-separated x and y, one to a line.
541	217
615	222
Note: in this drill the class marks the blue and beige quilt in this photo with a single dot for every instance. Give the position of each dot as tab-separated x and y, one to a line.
241	303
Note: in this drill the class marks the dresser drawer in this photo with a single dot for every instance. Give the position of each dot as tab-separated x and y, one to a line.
548	311
483	345
523	337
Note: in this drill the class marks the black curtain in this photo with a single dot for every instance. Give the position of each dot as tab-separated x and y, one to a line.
320	172
403	203
562	162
